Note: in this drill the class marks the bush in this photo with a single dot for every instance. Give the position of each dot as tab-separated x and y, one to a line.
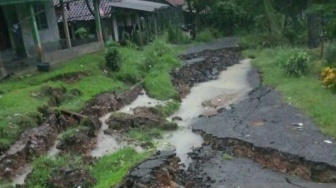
177	36
330	54
329	78
154	54
204	36
228	17
297	63
111	44
113	59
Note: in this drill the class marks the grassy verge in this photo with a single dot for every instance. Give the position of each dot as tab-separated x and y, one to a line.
306	92
110	170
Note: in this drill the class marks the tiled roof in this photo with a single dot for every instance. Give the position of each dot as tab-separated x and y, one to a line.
77	10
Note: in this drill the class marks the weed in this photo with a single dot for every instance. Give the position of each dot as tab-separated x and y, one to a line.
177	36
145	135
227	157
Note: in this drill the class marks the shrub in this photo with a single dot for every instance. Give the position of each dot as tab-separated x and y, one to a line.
177	36
82	32
297	63
154	54
111	44
330	54
328	76
204	36
113	59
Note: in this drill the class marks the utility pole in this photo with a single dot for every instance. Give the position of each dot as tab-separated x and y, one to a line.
35	33
98	21
65	24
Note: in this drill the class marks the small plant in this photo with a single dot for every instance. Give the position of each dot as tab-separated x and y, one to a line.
113	59
227	157
68	135
204	36
82	32
330	54
329	78
111	44
297	63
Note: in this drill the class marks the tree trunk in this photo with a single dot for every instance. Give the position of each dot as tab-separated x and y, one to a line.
3	71
313	28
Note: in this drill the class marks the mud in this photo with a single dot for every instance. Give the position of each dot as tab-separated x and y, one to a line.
33	143
202	66
56	95
111	101
69	78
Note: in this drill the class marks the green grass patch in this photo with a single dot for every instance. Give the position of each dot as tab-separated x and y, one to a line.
145	135
44	166
158	85
110	170
306	92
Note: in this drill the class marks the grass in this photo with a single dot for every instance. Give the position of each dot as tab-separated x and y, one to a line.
44	166
19	106
204	36
169	108
18	102
307	92
145	135
110	170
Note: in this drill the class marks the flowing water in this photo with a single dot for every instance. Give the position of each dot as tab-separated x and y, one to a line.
230	87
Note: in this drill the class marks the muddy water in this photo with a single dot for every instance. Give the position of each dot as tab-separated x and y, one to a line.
107	144
231	87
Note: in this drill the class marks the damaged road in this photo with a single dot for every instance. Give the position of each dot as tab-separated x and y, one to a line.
259	142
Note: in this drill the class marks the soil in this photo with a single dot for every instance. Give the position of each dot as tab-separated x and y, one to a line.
70	78
142	117
69	177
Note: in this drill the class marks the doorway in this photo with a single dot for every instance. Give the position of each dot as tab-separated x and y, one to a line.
4	35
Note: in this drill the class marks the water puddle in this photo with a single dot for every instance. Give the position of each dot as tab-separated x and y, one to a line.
19	179
229	88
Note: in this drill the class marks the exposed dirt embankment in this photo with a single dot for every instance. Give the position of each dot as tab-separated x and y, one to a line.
202	66
34	143
111	101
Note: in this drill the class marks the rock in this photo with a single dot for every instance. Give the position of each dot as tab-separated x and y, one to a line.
169	126
68	177
109	131
177	118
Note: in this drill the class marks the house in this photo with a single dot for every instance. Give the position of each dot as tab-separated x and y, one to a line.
29	32
18	27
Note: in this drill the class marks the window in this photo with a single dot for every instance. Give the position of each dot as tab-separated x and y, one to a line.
41	16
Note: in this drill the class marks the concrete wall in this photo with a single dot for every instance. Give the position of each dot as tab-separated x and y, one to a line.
49	37
67	54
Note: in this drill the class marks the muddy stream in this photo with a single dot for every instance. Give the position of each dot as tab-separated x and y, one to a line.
204	99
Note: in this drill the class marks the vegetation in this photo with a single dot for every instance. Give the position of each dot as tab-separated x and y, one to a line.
205	36
21	97
329	78
330	55
306	92
110	170
297	63
113	59
169	108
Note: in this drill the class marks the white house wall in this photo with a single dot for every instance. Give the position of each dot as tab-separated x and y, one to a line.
49	37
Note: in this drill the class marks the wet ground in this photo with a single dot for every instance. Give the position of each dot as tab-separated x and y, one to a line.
233	132
260	141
